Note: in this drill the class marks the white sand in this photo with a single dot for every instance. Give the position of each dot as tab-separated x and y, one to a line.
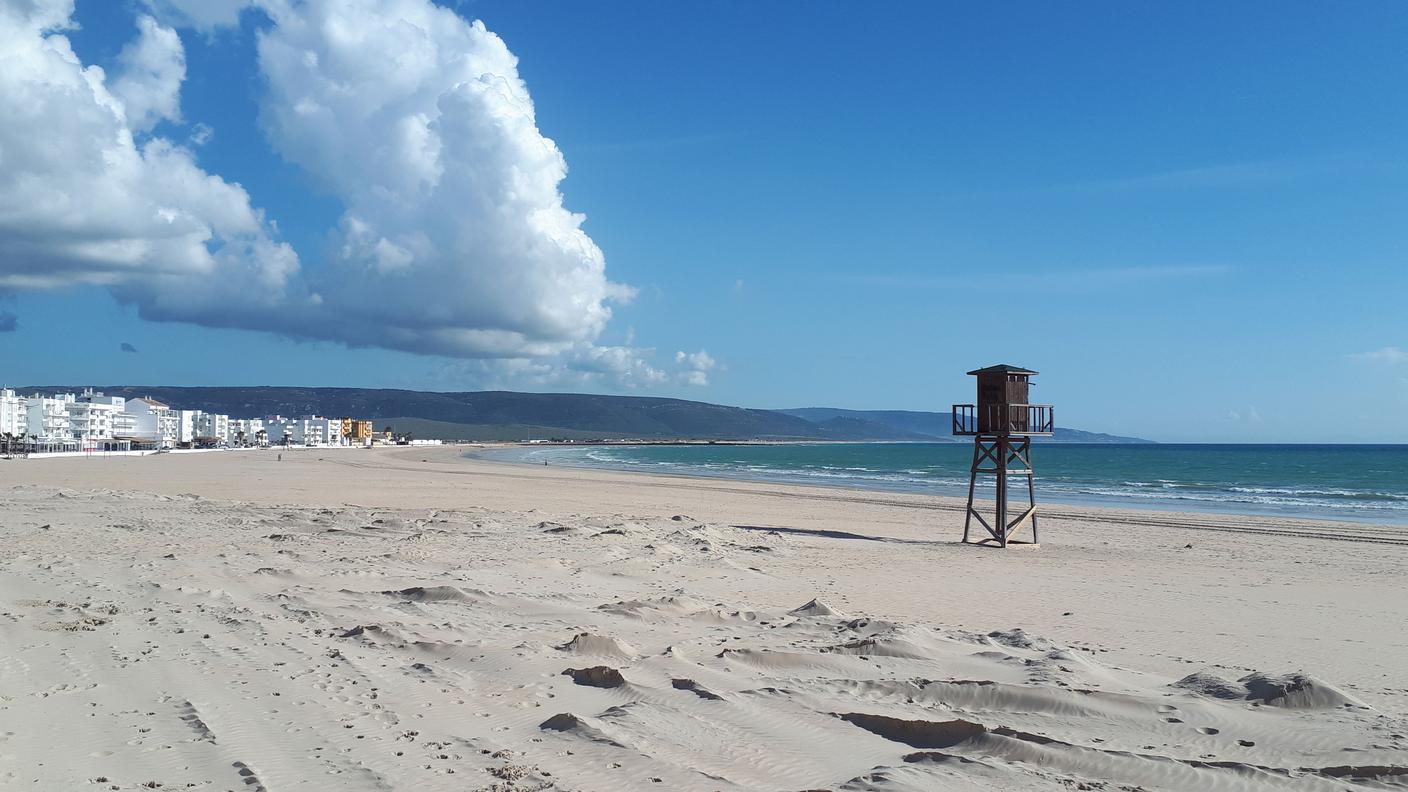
226	621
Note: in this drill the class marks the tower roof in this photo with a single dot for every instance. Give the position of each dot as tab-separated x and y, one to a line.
1002	368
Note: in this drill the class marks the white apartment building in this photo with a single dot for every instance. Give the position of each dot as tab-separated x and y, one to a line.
331	431
13	414
154	422
46	419
185	426
279	430
46	423
124	424
90	423
247	432
100	423
311	430
212	428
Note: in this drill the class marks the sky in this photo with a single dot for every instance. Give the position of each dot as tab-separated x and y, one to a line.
1191	218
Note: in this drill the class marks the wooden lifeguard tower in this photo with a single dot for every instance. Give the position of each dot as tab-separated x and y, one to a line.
1002	425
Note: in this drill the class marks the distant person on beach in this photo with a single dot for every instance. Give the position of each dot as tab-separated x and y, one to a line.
281	457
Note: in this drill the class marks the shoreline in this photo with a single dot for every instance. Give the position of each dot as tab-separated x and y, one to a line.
407	460
1170	505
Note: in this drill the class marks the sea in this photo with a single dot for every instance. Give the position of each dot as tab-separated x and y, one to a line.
1365	483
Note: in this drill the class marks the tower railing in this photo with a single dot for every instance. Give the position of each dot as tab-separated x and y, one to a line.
1012	419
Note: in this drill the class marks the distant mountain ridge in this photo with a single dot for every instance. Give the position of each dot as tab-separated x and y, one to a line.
508	415
937	425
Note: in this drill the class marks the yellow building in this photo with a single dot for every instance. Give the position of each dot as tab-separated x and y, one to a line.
356	430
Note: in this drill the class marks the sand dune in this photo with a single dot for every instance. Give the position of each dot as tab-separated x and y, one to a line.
216	643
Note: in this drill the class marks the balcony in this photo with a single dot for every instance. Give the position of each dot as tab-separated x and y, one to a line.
1004	419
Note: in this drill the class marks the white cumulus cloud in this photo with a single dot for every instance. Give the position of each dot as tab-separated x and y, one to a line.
586	365
454	239
201	134
152	68
694	367
81	202
203	15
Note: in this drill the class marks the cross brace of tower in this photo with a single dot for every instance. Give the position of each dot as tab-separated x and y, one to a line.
1001	457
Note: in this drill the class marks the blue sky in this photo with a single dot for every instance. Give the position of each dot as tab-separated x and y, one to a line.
1191	217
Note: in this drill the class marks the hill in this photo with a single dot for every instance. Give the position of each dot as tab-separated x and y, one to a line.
491	415
507	415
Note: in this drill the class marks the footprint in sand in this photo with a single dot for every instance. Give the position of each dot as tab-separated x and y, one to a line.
1208	730
250	779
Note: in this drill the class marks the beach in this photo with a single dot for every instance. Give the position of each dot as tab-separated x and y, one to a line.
407	618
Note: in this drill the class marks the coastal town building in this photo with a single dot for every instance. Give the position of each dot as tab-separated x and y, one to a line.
154	422
47	423
314	430
185	427
357	431
99	422
95	422
247	433
89	421
124	424
278	430
13	414
212	429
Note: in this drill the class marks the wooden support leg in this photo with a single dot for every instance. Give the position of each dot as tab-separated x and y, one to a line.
1001	523
972	483
1031	491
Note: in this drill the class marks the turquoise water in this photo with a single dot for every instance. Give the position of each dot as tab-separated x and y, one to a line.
1343	482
